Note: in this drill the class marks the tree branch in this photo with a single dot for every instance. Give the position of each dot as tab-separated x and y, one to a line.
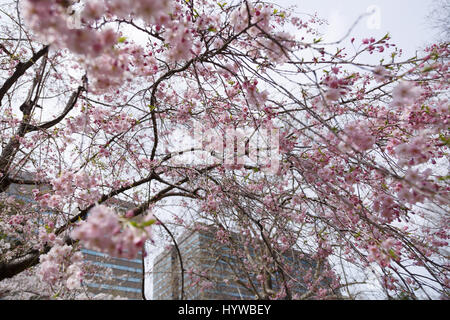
21	68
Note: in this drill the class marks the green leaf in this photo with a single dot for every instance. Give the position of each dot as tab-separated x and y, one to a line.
148	223
122	39
392	254
196	14
444	139
428	69
133	223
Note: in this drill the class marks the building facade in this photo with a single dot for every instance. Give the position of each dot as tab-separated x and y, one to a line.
213	272
116	276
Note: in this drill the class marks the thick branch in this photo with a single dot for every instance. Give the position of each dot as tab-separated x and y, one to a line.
10	150
10	269
21	68
69	106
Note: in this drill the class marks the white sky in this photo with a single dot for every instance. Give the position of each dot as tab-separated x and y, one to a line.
405	20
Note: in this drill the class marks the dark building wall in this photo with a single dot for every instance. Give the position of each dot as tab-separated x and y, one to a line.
200	250
116	276
121	277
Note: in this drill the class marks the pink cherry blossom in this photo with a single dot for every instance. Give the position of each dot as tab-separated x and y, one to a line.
405	93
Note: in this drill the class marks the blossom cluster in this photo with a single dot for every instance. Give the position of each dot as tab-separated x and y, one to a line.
413	152
255	97
386	206
81	184
386	251
357	136
405	93
51	18
104	231
337	87
62	264
98	50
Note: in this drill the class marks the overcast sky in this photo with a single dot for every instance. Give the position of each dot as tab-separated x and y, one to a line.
405	20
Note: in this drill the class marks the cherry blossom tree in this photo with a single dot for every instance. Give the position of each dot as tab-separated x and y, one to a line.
98	99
